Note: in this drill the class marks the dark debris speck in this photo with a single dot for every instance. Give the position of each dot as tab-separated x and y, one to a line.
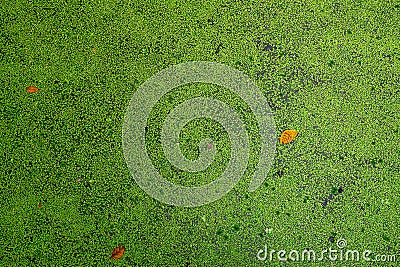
218	49
268	47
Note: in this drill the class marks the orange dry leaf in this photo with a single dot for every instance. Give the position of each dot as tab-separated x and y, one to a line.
287	136
32	89
118	252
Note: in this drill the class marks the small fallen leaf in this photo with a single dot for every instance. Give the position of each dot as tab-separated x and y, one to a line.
287	136
40	205
32	89
118	253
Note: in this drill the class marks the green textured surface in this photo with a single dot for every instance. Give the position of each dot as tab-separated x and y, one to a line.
329	70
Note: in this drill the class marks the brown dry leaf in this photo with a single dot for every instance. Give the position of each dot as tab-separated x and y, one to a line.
118	252
287	136
40	205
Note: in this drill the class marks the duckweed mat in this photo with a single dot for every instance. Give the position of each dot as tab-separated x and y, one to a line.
329	70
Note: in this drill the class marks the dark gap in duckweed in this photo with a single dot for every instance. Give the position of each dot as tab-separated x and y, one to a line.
219	47
268	47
